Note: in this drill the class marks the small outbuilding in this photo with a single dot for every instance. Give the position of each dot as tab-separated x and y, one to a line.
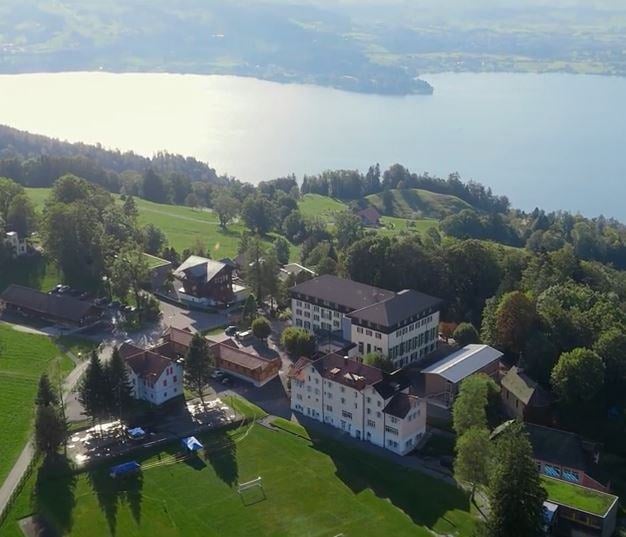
442	379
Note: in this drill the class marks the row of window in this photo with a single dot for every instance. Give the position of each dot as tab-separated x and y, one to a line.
414	343
414	326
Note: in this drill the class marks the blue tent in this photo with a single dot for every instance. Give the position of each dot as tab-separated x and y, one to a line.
137	432
191	444
127	468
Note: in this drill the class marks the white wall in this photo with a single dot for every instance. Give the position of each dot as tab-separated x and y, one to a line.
358	413
168	386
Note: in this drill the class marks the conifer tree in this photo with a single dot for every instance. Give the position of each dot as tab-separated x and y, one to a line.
118	384
515	493
92	392
50	430
46	396
198	366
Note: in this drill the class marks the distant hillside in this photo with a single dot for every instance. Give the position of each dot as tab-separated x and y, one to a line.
93	160
416	203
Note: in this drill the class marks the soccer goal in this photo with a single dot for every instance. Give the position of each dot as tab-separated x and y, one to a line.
251	491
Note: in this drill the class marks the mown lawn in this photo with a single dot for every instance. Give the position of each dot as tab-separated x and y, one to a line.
23	358
318	488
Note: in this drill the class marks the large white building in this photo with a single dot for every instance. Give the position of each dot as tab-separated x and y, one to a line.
401	326
155	377
360	400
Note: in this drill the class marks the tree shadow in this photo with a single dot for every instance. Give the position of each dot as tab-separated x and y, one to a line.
53	495
221	453
111	493
424	499
194	461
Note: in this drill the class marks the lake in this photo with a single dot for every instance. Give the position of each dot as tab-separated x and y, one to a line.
557	141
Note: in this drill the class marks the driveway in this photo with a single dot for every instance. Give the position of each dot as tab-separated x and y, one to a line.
180	317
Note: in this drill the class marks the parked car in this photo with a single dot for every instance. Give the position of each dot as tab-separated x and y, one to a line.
244	336
217	374
230	330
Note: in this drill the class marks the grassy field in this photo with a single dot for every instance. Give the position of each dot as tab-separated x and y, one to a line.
314	205
23	358
415	203
315	488
581	498
183	226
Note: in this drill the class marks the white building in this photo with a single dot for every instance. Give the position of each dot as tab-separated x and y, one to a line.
18	245
360	400
402	326
154	377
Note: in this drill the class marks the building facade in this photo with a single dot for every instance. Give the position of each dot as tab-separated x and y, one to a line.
205	281
401	326
155	378
360	400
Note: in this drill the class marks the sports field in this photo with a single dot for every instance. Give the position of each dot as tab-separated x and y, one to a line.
312	488
23	358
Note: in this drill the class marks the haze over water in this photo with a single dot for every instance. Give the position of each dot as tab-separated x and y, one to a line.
554	141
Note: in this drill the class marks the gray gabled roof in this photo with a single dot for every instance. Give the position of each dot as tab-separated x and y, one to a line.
347	293
199	268
524	388
397	309
464	362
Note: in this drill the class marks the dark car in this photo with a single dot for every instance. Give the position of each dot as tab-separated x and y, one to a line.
230	330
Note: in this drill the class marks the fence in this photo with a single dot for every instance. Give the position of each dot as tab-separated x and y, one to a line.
5	510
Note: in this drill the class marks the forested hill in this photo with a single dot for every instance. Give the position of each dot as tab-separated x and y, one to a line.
34	160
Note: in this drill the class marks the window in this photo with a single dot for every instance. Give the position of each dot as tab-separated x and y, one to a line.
378	414
329	408
343	400
368	332
391	430
371	423
165	382
368	399
552	471
346	414
175	378
359	330
343	389
378	335
571	475
307	314
369	411
394	419
378	403
307	306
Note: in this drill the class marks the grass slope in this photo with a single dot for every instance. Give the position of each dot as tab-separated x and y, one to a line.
317	489
324	207
183	226
418	203
23	358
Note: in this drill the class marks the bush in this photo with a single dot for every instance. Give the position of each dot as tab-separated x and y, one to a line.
261	328
298	342
466	334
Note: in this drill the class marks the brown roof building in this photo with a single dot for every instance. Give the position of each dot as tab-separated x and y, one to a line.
54	308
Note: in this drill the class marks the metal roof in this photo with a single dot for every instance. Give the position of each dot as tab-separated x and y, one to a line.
464	362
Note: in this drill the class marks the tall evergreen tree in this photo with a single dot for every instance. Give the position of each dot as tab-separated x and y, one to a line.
50	430
198	366
46	396
118	383
93	390
515	493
